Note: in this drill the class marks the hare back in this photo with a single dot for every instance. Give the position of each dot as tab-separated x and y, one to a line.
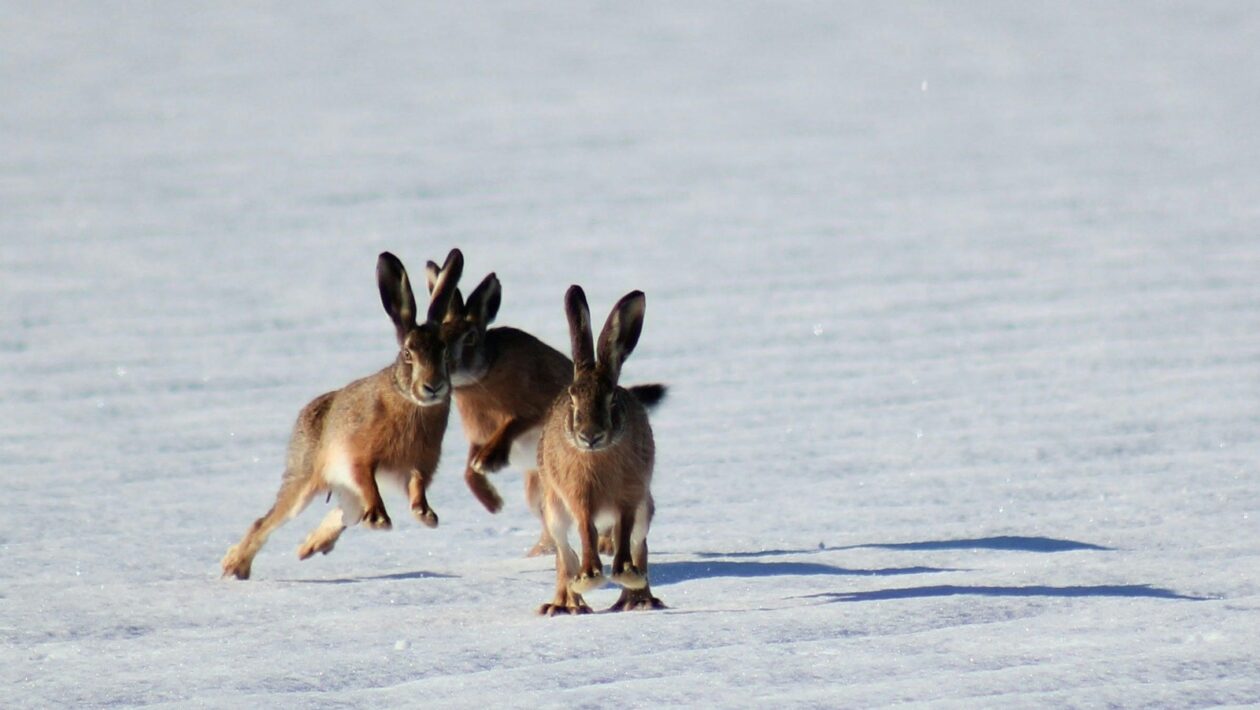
522	380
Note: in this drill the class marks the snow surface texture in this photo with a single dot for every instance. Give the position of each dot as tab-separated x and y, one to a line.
960	308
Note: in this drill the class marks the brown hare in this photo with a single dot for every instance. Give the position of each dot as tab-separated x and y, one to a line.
595	462
388	424
504	382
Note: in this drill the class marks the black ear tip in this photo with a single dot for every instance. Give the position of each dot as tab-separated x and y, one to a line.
389	266
634	300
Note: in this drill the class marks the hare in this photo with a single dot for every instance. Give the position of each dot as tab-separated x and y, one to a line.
387	424
504	382
595	461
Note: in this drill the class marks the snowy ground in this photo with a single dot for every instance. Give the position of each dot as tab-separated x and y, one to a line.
960	307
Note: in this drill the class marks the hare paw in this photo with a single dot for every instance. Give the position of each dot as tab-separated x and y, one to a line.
629	577
637	600
235	565
542	547
311	546
426	516
566	603
587	581
484	490
489	460
377	519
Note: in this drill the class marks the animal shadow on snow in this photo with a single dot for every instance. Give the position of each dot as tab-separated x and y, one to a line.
374	578
664	573
1009	543
1131	591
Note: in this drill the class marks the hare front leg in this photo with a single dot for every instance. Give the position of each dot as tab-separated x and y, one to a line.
592	573
417	488
566	601
363	477
638	598
624	572
481	486
493	455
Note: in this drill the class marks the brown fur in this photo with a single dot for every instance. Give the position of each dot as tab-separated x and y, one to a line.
509	381
390	423
511	399
595	459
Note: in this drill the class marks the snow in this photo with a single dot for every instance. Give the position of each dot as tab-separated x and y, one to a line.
964	378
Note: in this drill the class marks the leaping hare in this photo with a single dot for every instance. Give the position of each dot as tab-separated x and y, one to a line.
505	381
387	424
595	459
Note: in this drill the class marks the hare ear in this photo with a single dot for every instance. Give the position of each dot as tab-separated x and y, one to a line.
445	286
456	311
579	315
483	302
431	273
396	295
621	332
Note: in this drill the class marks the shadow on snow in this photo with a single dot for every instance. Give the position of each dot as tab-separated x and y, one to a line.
663	573
374	578
1131	591
1010	543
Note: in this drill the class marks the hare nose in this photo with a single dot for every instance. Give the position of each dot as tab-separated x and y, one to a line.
433	390
590	441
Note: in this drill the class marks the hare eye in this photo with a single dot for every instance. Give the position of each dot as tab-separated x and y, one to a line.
406	356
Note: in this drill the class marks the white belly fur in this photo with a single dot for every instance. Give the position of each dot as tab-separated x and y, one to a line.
524	453
337	475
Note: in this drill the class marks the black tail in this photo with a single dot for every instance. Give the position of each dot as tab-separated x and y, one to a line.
649	395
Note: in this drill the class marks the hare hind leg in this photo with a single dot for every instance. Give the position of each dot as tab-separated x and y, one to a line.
291	499
534	498
323	538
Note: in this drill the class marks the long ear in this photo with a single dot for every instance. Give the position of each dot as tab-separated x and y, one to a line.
579	315
396	295
621	332
456	311
483	302
444	288
431	272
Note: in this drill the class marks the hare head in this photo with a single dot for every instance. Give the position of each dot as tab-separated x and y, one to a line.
464	326
420	372
597	406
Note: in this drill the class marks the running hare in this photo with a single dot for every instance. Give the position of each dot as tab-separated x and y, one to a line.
387	424
595	459
505	381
